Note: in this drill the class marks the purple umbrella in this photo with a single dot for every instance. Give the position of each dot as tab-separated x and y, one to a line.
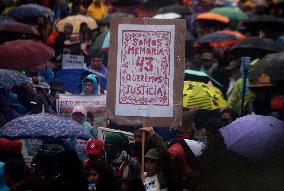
256	137
44	125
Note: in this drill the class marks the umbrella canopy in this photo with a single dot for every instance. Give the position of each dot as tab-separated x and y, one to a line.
44	125
200	76
101	42
237	34
6	19
255	47
16	27
179	9
167	16
106	19
155	5
216	37
76	21
271	65
213	17
199	95
125	3
256	137
30	10
22	54
231	12
9	78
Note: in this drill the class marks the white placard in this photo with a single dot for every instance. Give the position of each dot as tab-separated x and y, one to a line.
145	70
103	131
72	61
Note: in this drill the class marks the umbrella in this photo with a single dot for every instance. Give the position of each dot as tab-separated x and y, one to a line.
44	125
272	65
256	137
237	34
21	54
118	3
106	19
16	27
179	9
30	10
255	47
101	42
272	26
167	16
155	5
9	78
216	37
6	19
200	76
199	95
230	12
213	17
76	20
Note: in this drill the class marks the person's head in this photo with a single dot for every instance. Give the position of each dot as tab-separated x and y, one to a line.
102	174
15	171
90	85
212	129
152	159
68	29
95	149
41	20
83	27
188	125
114	144
90	118
97	60
207	59
97	2
234	69
79	114
228	116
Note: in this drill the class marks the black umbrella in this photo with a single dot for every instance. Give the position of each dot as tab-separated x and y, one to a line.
179	9
156	4
272	65
216	37
6	19
9	78
123	3
255	47
270	25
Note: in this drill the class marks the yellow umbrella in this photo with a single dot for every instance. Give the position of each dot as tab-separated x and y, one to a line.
199	95
76	21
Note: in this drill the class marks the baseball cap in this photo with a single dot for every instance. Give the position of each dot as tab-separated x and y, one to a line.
207	56
80	109
95	147
152	154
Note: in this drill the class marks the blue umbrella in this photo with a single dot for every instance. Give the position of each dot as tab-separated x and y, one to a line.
9	78
256	137
6	19
30	10
44	125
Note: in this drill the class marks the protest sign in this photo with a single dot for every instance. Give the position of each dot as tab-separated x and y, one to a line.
94	104
72	61
146	71
103	132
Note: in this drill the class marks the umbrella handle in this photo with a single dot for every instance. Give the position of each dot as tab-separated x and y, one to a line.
43	109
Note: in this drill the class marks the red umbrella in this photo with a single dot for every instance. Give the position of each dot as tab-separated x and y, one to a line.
19	28
22	54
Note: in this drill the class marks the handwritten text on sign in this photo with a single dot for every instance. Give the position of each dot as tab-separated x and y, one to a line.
145	69
72	61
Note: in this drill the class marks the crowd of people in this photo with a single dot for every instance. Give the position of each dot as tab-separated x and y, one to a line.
192	157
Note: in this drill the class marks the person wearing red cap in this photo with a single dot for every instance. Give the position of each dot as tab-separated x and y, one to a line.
95	151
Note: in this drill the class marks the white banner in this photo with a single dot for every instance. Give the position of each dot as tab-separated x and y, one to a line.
145	70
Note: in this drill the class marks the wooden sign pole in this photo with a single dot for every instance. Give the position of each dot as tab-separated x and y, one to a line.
143	152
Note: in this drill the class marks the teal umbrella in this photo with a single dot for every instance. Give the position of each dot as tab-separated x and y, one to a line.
200	76
102	42
233	13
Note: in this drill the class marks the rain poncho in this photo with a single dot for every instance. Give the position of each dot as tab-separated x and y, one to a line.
93	78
